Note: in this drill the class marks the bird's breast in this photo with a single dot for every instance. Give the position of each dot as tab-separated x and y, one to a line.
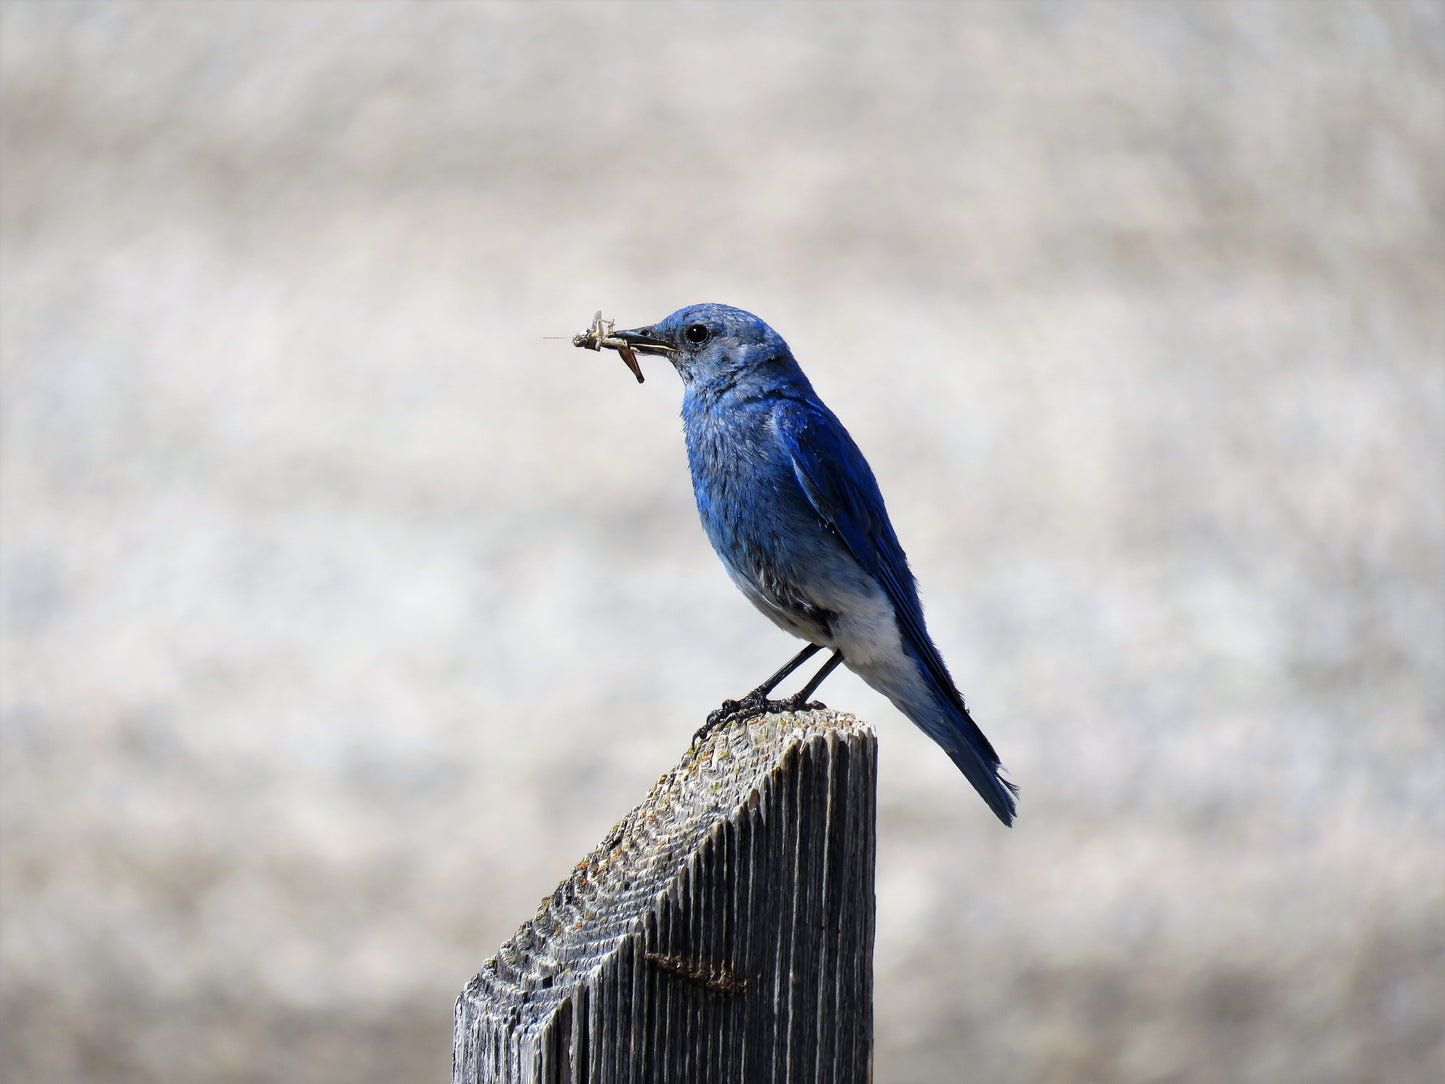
747	492
777	549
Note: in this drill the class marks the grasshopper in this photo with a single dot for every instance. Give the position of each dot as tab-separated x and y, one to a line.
600	335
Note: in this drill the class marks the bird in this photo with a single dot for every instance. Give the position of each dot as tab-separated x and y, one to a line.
794	511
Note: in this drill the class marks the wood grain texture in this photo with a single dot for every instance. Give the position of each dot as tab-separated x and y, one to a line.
723	931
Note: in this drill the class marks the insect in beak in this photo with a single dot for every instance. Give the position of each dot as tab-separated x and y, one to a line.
626	343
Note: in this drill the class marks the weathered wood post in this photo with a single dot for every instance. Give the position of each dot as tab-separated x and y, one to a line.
722	932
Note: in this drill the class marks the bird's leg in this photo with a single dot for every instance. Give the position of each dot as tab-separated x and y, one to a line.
757	700
760	693
799	700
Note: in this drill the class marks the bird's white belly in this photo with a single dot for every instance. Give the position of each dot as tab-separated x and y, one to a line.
867	633
861	622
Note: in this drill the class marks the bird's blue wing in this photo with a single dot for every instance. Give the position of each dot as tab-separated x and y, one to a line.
841	487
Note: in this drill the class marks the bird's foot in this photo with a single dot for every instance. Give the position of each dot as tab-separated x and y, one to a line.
750	706
797	703
729	710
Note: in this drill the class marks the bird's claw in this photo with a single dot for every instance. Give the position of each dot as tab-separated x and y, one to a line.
749	707
720	716
797	703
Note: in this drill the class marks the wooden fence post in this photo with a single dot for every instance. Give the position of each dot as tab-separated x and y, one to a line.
722	933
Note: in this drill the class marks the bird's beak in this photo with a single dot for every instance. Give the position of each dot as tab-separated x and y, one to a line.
638	341
644	342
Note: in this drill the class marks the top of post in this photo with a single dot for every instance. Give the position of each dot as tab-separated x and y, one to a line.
604	898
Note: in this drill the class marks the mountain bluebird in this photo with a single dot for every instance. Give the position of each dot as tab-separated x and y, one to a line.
792	508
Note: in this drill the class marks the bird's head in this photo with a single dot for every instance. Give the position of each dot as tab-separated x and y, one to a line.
713	345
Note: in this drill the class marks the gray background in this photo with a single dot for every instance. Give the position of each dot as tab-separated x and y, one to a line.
343	610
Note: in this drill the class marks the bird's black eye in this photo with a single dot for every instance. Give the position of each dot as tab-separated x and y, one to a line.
697	334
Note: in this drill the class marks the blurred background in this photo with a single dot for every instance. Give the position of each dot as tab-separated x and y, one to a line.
344	610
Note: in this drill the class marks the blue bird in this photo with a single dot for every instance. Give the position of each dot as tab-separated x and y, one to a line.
792	508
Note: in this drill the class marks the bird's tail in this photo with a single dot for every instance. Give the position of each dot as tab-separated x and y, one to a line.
937	708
